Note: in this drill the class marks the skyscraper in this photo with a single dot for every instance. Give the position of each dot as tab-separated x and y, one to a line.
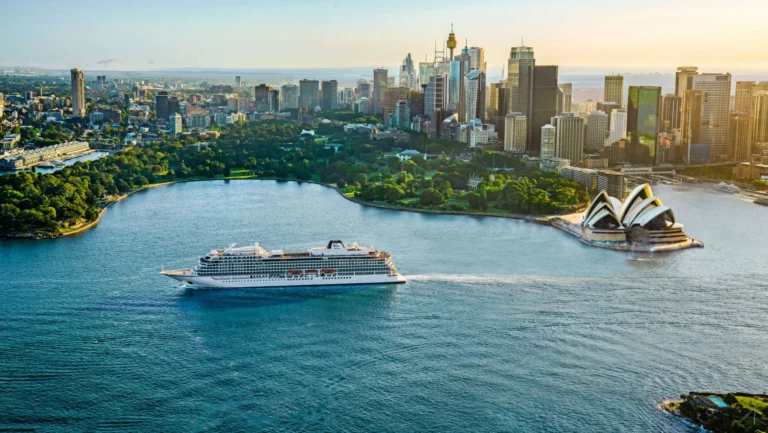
715	110
363	89
455	79
548	141
546	97
739	143
309	94
238	83
569	141
379	84
161	105
174	106
274	100
515	132
684	79
261	98
758	123
618	125
290	97
566	95
475	95
643	112
743	99
614	89
175	123
597	130
408	73
520	70
436	98
477	59
391	97
670	113
78	93
502	110
2	105
329	92
690	121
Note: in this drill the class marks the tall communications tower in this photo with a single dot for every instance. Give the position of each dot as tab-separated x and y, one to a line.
451	43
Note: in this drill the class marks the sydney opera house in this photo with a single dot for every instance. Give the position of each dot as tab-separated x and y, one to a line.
639	221
641	218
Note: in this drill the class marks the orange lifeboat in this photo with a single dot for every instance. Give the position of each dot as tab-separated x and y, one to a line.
295	273
311	272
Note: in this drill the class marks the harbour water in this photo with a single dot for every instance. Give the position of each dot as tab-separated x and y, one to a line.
503	325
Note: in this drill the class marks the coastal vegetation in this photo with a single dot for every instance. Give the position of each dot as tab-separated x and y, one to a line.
368	170
723	413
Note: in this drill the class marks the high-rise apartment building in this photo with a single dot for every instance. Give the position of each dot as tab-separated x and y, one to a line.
715	111
238	82
614	89
174	105
78	93
261	100
329	91
671	108
684	79
309	94
2	105
569	141
566	98
289	97
161	106
548	141
643	117
515	132
380	82
597	130
546	97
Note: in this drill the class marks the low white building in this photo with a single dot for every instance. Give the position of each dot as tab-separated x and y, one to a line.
408	154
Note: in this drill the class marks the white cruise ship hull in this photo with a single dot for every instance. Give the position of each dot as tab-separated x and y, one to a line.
246	281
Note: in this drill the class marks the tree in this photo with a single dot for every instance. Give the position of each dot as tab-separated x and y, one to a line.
431	197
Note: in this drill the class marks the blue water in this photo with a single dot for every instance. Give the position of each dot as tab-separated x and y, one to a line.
503	325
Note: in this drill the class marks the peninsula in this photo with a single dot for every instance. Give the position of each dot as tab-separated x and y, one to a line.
722	413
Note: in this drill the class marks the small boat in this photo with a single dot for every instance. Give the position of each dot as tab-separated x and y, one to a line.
727	188
58	164
46	164
311	272
295	273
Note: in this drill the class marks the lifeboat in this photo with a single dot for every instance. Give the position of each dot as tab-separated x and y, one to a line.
311	272
295	273
330	271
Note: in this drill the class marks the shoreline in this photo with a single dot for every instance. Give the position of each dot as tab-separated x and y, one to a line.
539	219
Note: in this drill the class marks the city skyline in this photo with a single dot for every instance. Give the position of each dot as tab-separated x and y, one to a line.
300	35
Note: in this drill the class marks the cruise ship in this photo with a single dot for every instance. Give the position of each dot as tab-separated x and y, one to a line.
254	267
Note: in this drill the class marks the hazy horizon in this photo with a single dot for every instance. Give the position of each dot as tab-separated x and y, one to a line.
239	34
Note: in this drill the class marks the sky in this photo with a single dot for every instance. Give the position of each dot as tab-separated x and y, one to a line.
613	36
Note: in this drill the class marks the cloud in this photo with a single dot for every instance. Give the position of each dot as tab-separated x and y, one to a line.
106	62
151	62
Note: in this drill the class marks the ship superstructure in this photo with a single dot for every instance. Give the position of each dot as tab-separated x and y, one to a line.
253	266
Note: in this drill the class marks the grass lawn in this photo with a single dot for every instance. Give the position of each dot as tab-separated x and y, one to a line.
759	406
457	202
429	174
